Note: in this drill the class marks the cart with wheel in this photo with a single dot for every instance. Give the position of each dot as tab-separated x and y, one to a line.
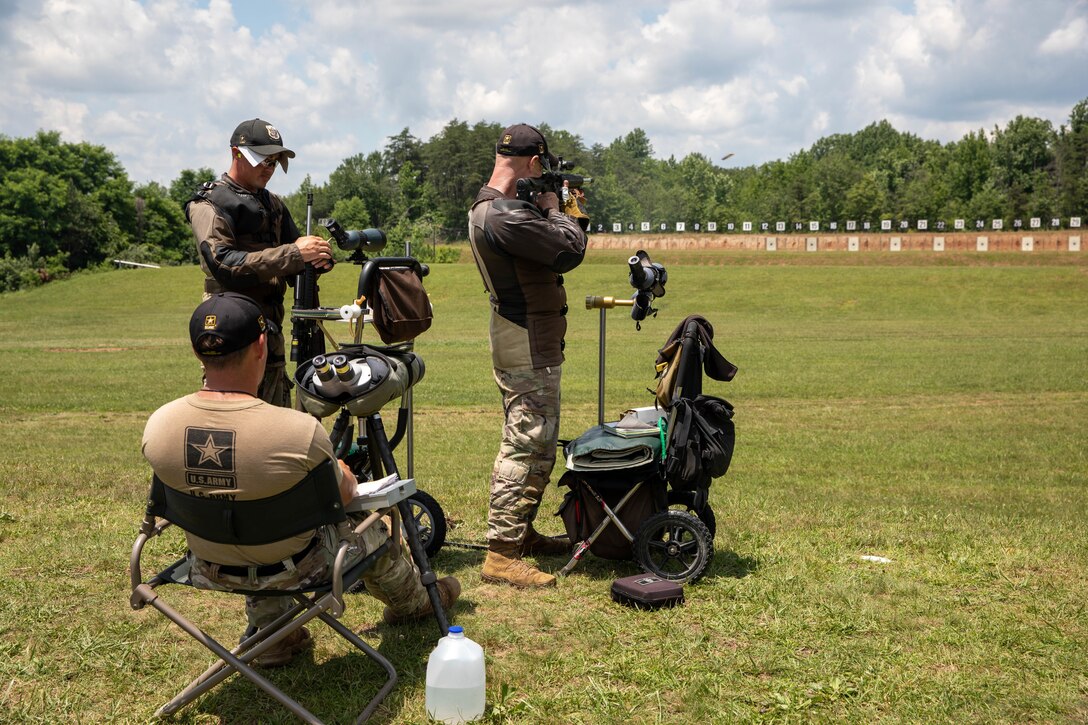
639	486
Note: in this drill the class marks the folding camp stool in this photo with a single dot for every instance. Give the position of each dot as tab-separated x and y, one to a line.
313	502
603	486
611	518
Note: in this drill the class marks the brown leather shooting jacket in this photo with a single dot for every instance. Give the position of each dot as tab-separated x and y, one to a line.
522	256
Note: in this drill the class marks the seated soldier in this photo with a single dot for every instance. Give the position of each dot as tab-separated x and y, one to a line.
224	441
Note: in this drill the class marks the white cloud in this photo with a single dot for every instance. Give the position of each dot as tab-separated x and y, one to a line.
908	46
761	78
794	86
878	79
714	109
112	44
1070	38
942	23
55	114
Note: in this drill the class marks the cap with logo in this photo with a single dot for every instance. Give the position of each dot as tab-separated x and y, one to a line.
234	321
257	139
524	140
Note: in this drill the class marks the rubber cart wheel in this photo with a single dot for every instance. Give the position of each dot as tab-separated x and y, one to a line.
674	545
686	499
430	520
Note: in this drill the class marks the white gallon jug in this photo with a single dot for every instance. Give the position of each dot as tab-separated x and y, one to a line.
456	679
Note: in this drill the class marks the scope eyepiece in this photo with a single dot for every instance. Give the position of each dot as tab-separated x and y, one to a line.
642	278
647	276
366	240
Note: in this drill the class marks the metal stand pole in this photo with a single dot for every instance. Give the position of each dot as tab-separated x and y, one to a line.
603	304
600	374
411	451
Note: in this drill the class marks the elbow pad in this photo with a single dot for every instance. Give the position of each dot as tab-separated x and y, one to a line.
224	267
566	261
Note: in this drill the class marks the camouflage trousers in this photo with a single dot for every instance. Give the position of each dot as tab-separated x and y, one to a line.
394	578
530	399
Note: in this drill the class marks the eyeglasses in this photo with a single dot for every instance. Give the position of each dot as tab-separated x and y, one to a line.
270	161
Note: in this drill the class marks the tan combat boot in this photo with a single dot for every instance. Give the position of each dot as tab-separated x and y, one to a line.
449	589
503	565
285	650
536	544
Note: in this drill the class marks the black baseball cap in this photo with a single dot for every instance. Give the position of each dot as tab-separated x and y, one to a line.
524	140
262	138
234	319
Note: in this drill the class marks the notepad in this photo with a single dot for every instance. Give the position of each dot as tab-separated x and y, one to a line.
369	488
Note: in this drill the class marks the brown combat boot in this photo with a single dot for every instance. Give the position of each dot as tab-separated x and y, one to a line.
449	589
503	565
536	544
283	652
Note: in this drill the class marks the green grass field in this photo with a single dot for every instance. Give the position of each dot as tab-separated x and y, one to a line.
930	409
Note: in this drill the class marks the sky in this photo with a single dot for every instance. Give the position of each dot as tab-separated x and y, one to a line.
163	83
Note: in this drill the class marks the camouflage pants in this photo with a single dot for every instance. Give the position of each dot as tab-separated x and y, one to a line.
530	399
394	578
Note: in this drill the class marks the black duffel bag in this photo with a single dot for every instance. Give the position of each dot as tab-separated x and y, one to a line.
701	439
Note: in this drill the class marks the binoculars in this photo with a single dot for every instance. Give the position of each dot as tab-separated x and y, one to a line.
360	378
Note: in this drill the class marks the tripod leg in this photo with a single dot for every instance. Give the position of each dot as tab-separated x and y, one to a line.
426	574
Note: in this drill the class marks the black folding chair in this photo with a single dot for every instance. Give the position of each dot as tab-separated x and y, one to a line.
313	502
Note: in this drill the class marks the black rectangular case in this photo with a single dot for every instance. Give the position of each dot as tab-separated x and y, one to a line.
646	591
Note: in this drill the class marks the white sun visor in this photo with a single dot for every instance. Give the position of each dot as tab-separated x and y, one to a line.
255	158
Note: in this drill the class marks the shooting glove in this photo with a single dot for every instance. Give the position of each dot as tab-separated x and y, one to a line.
546	200
575	204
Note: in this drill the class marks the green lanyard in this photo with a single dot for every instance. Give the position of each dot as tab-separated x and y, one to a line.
662	427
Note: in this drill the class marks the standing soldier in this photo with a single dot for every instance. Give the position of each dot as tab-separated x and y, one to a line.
522	250
248	243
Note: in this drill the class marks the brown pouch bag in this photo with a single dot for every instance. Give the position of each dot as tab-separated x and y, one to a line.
402	311
666	374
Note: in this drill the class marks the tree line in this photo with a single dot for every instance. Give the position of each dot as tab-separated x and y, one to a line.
71	206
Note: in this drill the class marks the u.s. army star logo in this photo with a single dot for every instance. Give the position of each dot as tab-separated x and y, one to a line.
209	451
209	457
